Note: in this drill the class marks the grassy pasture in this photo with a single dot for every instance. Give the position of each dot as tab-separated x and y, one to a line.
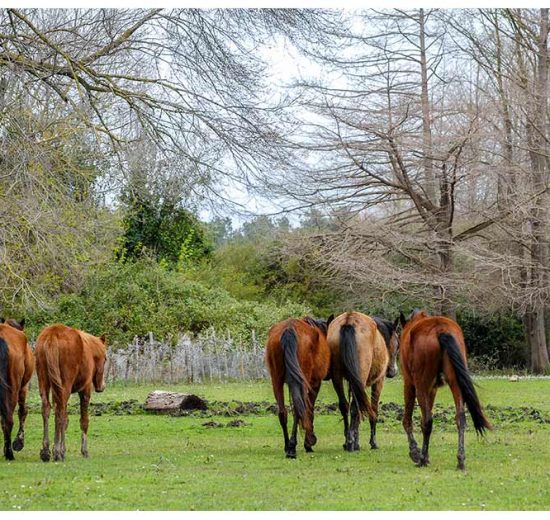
146	462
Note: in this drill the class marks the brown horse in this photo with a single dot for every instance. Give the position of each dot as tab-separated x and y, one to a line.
67	361
16	367
363	351
297	352
433	348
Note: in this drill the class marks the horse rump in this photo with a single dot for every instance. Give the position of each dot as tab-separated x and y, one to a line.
450	346
295	378
350	361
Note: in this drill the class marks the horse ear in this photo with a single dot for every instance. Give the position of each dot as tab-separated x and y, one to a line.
103	338
402	318
330	318
22	323
2	320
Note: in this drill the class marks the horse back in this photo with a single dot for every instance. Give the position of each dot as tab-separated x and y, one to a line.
371	348
313	351
20	357
60	356
421	353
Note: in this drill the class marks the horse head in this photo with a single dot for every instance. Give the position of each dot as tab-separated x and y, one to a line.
391	338
415	315
322	325
100	356
19	325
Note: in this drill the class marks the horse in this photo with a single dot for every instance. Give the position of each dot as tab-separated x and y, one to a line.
433	350
297	352
363	351
68	361
16	368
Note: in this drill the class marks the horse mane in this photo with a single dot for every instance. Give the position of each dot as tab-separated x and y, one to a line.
319	324
96	346
385	327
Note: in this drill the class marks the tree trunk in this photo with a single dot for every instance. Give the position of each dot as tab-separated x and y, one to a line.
160	401
429	176
536	337
536	126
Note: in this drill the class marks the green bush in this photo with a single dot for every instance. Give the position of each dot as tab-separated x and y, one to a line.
134	298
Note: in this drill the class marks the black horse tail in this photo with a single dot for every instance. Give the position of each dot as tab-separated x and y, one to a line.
350	360
450	346
4	388
295	378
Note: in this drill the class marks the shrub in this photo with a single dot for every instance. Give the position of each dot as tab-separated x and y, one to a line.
132	299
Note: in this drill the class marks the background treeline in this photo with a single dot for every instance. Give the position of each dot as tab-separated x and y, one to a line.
408	150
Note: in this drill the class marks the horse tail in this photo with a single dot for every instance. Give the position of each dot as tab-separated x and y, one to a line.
450	346
350	360
295	378
51	353
4	385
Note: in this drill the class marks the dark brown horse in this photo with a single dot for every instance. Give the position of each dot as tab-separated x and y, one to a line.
363	351
297	353
16	368
67	361
433	348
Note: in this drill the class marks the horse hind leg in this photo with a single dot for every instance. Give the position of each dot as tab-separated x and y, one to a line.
19	441
426	400
7	427
310	437
343	405
375	397
460	419
278	391
61	422
410	396
292	443
46	408
352	442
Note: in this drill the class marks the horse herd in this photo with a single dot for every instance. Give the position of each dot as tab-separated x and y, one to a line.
299	352
363	350
67	361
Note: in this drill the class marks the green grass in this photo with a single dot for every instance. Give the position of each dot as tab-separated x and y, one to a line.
158	462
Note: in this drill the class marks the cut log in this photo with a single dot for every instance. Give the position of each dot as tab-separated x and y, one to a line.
160	401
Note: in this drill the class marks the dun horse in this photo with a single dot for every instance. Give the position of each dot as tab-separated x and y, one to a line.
16	367
433	348
67	361
297	352
363	351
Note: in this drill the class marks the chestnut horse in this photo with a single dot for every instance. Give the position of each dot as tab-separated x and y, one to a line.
16	368
67	361
297	352
433	348
363	351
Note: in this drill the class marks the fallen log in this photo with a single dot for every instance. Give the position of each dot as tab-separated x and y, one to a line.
160	401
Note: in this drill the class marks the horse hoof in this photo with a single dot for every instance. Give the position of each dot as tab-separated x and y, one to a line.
18	444
461	466
415	456
57	457
423	463
9	455
308	449
374	446
45	455
290	455
85	454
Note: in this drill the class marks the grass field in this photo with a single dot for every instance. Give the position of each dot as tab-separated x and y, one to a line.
147	462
